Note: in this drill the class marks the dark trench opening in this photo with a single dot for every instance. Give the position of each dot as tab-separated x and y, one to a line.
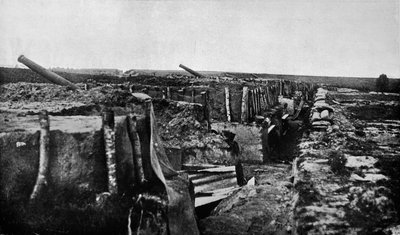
282	152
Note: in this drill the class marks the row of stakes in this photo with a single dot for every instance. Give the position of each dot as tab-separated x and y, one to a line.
143	171
258	98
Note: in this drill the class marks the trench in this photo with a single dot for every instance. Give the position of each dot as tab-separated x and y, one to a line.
282	154
264	207
324	195
78	172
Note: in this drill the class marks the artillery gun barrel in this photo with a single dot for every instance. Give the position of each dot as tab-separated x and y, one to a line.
191	71
47	74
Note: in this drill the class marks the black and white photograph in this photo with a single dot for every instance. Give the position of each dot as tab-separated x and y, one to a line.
199	117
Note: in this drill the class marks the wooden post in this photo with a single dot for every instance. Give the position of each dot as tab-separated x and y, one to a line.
268	96
307	93
261	100
136	149
264	141
250	105
207	108
145	143
245	102
227	104
262	105
181	92
109	143
193	94
253	99
264	101
41	180
257	101
239	174
168	93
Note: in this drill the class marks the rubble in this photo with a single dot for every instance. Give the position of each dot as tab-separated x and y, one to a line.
347	192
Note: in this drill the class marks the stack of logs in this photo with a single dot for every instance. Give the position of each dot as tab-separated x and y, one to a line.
321	112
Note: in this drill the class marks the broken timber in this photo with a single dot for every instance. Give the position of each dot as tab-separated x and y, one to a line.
227	105
207	108
41	180
214	183
136	149
245	100
109	143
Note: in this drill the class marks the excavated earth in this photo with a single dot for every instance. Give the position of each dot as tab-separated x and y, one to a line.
181	124
77	167
346	178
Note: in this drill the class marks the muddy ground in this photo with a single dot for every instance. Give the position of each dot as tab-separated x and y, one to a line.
346	178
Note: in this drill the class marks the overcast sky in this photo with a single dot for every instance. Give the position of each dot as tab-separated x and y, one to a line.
333	38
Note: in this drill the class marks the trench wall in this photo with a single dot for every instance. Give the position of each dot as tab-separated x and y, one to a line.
78	168
261	96
77	174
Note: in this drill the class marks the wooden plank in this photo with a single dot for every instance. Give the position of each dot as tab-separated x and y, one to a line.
223	190
109	143
200	201
44	156
227	105
207	179
219	169
136	149
196	167
193	93
257	105
271	128
215	196
168	93
244	109
207	108
285	116
216	185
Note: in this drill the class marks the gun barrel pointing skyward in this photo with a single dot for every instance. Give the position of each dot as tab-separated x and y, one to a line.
197	74
47	74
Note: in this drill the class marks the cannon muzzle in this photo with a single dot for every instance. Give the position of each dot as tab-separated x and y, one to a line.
47	74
